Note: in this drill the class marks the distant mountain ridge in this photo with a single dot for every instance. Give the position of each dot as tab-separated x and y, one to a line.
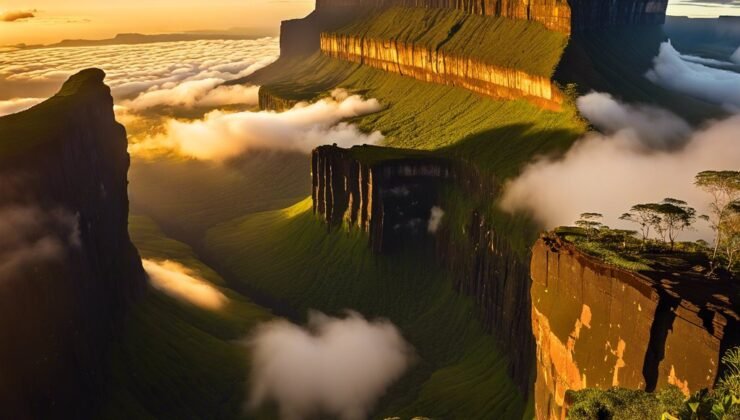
137	38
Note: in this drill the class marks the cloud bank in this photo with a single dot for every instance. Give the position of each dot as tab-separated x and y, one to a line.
181	283
610	173
655	127
16	15
220	136
13	106
718	86
30	236
334	366
735	57
183	74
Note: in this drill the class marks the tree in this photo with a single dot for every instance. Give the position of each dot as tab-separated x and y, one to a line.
590	223
675	216
646	216
724	187
730	243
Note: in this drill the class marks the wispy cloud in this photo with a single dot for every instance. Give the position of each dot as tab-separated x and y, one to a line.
674	72
30	236
610	173
182	283
220	135
17	15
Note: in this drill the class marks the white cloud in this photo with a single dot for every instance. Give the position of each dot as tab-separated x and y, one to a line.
196	93
336	367
148	75
435	219
735	57
12	106
30	236
718	86
610	173
181	283
219	136
655	127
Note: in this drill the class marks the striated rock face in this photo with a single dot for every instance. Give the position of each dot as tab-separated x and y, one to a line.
270	102
485	267
436	66
597	326
392	200
301	36
554	14
590	14
389	200
557	15
68	271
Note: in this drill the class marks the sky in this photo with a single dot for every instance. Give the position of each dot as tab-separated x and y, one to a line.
49	21
55	20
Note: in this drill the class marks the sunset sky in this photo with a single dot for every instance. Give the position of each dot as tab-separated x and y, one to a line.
54	20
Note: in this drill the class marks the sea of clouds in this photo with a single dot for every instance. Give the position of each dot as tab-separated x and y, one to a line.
178	74
642	153
153	84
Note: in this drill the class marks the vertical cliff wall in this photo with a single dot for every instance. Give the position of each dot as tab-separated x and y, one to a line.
437	66
598	326
390	195
71	270
390	200
554	14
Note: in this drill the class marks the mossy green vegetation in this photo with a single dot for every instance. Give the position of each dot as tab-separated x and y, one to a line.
289	255
188	196
175	360
721	403
622	249
529	46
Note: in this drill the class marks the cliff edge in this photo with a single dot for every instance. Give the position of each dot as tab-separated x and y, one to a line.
600	326
68	270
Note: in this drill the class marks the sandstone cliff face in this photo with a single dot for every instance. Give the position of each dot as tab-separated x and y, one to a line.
436	66
554	14
391	200
557	15
598	326
64	165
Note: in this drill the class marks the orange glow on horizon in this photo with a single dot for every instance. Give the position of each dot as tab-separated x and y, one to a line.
55	20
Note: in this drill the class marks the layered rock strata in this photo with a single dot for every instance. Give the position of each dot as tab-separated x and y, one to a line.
436	66
392	200
598	326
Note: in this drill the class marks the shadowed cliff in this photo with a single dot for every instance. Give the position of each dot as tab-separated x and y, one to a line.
69	271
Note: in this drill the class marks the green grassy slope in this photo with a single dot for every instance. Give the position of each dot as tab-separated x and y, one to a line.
290	256
175	360
496	135
530	47
189	195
